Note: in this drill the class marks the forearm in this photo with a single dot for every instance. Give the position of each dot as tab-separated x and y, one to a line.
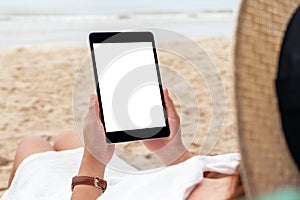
89	167
173	154
186	155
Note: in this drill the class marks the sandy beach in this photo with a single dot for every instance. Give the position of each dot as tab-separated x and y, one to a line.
37	85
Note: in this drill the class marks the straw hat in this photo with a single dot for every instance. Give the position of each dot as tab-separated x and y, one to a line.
267	164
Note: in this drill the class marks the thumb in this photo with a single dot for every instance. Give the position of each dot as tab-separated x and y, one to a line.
171	111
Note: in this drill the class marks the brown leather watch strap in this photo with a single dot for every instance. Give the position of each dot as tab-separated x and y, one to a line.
88	180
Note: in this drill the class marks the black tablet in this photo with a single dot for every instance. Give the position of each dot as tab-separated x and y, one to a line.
128	85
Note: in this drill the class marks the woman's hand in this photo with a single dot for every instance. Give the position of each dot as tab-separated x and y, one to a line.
94	134
170	149
97	153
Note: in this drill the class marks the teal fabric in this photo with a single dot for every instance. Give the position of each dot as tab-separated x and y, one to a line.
286	194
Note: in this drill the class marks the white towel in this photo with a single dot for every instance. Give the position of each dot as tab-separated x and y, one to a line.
48	175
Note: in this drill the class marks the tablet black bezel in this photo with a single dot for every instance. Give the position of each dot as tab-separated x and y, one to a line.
125	37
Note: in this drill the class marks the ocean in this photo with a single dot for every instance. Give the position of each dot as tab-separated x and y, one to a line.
68	22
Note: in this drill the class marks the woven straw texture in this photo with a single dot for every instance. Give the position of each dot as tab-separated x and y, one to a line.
267	164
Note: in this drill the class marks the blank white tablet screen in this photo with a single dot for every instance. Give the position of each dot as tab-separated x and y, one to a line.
129	86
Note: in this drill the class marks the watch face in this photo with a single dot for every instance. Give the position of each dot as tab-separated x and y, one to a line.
100	183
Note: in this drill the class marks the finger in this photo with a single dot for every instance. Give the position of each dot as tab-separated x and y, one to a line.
94	105
97	108
166	95
168	103
94	109
171	111
98	113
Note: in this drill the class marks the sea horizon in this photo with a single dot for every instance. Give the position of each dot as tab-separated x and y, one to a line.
60	23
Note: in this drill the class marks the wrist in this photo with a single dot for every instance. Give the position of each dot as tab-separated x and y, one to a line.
185	156
90	166
173	154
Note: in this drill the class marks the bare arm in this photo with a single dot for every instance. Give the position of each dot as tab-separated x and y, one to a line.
218	186
97	153
89	167
170	149
186	155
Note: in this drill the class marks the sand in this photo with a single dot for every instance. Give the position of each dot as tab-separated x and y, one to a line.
37	85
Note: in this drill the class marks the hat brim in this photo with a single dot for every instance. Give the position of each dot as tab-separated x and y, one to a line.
266	161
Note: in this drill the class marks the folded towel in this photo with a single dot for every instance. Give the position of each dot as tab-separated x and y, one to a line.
48	175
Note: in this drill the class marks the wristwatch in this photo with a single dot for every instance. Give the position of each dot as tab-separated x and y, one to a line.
88	180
